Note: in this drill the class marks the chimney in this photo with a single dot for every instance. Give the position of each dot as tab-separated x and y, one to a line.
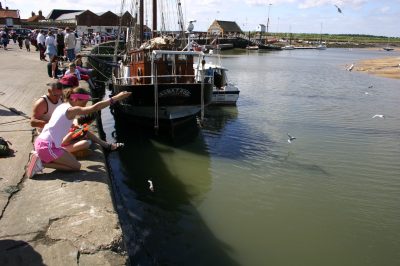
6	7
33	14
40	13
1	7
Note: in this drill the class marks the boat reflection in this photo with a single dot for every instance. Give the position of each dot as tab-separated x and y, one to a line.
217	117
164	227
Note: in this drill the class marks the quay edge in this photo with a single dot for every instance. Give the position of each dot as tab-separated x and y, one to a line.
56	218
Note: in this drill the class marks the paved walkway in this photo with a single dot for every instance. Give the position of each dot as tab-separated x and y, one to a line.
55	218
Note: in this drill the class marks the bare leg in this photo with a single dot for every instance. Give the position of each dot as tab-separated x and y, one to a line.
66	162
77	146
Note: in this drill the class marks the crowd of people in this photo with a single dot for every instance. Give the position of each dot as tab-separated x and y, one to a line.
63	40
61	116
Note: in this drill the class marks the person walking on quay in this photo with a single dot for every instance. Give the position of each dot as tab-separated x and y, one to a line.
20	40
60	42
40	39
70	43
4	38
27	43
48	145
50	44
34	35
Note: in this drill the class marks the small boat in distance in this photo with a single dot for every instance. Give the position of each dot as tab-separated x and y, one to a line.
387	47
288	47
252	47
321	45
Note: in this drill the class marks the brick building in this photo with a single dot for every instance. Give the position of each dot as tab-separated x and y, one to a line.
9	17
87	21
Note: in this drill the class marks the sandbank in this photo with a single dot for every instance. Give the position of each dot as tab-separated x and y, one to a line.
388	67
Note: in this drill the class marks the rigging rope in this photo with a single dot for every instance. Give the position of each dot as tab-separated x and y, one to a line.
100	72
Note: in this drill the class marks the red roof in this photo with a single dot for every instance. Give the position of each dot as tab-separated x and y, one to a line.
35	18
4	13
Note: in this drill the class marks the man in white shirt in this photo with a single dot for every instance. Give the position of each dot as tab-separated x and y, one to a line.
70	43
40	42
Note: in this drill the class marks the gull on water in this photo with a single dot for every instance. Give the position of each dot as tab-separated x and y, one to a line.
378	116
350	68
290	139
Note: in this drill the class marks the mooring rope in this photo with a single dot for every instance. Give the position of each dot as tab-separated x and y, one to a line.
98	70
156	124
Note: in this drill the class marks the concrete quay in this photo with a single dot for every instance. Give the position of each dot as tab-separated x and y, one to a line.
56	218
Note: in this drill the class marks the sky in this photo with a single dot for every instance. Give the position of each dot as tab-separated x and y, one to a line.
378	17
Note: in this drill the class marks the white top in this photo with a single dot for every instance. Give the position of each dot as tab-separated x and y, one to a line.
50	40
40	38
70	40
77	73
58	126
50	109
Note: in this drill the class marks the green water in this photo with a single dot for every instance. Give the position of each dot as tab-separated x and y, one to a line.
239	194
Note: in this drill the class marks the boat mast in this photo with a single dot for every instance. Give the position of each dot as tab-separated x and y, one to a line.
154	18
141	13
269	8
181	24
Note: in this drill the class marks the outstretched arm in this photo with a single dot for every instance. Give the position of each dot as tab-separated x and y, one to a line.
78	110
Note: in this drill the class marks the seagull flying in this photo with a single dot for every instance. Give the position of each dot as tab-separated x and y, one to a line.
290	139
338	9
151	187
378	116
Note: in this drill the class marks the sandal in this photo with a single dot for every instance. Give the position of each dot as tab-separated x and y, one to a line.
117	146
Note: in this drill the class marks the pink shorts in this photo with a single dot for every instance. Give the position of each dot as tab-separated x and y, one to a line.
47	151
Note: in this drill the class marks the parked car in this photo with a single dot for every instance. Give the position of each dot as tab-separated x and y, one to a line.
105	36
23	31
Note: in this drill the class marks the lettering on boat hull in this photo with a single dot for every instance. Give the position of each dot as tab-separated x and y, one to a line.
174	92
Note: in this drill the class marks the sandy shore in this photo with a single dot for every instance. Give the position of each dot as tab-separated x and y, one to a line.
388	67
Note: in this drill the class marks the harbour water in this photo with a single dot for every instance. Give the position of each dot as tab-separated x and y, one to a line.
237	193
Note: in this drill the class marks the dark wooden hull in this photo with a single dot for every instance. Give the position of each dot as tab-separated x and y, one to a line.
175	101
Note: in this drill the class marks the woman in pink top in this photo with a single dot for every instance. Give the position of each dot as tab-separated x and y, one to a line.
48	145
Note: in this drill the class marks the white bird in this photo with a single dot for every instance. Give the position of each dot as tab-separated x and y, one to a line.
151	187
350	68
366	93
290	139
338	9
378	116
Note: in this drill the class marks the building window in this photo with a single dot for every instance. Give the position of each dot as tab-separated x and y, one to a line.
9	22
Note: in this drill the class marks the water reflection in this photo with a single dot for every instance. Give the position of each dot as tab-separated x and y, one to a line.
218	117
163	227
